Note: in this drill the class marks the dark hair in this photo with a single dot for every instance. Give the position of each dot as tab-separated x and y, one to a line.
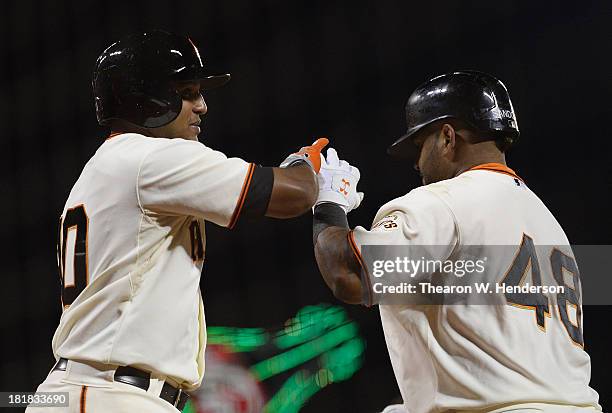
502	141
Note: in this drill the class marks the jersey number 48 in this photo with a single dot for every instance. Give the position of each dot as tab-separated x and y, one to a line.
559	262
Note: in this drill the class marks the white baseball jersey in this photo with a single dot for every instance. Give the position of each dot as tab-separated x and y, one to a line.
464	357
131	252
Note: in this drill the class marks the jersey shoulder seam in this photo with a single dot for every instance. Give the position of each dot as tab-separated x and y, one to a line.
142	210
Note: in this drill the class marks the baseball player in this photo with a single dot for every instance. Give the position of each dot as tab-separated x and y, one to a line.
131	242
516	356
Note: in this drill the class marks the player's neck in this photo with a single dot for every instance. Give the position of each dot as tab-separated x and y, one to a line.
470	163
120	126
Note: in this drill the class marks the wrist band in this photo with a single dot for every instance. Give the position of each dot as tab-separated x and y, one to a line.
327	215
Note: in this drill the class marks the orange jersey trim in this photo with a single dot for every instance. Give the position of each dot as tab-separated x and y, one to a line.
351	240
496	167
83	399
113	134
245	188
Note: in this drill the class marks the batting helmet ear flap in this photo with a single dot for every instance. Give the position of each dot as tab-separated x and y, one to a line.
477	98
133	78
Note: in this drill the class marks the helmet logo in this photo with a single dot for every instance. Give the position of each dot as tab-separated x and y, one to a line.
491	97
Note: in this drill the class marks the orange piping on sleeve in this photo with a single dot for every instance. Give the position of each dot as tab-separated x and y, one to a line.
83	400
245	188
351	239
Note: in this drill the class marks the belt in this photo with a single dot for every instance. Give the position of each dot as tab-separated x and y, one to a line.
139	378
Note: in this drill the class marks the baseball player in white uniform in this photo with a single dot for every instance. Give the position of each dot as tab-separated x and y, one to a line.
131	241
464	357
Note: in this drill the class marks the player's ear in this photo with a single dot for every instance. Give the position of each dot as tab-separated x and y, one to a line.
449	139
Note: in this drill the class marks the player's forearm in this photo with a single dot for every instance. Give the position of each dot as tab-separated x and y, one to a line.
294	192
334	256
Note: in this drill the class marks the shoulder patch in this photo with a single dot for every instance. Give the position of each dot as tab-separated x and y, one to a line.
387	223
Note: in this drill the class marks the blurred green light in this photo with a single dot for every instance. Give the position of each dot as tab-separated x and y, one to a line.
310	322
237	339
298	355
189	408
295	392
321	331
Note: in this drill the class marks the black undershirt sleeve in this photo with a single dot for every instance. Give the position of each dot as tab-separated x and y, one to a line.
327	215
259	193
331	215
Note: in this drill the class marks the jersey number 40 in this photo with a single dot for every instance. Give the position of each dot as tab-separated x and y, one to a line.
72	251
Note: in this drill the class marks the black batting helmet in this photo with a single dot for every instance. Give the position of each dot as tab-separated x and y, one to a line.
479	99
133	78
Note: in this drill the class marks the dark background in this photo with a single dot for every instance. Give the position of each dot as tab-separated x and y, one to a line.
300	69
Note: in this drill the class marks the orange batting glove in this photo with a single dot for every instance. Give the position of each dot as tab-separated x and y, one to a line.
310	155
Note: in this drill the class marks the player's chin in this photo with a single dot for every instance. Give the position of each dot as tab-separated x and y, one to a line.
192	132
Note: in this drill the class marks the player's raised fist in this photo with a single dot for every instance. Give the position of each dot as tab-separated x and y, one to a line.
338	182
310	155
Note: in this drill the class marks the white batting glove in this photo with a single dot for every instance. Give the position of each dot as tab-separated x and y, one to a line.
338	182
